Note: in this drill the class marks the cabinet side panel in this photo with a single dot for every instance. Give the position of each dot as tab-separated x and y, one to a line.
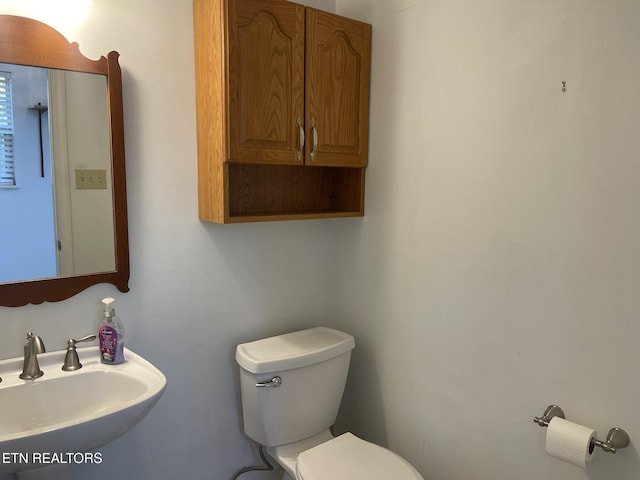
209	34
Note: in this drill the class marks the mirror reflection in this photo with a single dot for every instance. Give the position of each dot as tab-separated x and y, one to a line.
55	174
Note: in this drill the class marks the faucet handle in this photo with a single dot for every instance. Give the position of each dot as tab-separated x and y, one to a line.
71	360
88	338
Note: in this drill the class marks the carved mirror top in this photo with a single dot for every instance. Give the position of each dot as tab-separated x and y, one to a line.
29	42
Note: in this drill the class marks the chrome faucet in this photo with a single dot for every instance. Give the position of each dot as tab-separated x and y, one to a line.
30	368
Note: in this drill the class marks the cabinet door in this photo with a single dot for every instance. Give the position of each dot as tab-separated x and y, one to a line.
265	47
338	54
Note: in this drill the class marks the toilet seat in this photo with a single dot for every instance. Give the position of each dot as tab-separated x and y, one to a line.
348	457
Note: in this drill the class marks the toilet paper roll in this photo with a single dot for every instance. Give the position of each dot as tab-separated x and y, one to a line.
569	441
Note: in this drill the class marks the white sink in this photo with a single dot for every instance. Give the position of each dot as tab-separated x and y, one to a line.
63	414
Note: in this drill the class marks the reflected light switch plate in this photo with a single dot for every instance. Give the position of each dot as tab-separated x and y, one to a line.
91	179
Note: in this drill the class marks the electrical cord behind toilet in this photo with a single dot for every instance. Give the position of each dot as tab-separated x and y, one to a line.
266	467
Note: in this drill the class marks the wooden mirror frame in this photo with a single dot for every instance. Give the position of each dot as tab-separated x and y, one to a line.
25	41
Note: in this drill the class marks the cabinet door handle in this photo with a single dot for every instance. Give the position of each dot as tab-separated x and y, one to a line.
301	147
314	132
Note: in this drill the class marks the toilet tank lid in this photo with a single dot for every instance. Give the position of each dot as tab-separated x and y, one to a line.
293	350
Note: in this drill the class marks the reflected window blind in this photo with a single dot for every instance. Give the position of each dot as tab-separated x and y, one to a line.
7	164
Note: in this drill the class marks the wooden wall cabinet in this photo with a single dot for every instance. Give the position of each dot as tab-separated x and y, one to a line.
282	104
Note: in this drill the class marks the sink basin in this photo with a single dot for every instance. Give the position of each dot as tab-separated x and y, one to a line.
53	419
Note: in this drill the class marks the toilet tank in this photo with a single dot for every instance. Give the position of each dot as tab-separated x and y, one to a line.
313	366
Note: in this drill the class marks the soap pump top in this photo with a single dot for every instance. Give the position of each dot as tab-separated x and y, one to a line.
108	310
110	335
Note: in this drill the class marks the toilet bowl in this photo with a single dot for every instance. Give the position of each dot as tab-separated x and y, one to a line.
291	387
348	457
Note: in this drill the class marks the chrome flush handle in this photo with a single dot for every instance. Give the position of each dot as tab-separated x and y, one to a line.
274	382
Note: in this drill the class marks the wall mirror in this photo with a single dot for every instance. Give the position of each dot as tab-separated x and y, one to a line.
63	205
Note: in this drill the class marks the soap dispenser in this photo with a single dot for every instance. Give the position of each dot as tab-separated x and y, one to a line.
110	335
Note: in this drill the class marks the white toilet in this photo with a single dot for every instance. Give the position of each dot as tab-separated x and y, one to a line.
291	388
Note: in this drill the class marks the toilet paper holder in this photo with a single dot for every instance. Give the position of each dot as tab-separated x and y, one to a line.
616	438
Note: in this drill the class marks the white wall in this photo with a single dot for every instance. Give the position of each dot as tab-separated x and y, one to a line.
496	269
